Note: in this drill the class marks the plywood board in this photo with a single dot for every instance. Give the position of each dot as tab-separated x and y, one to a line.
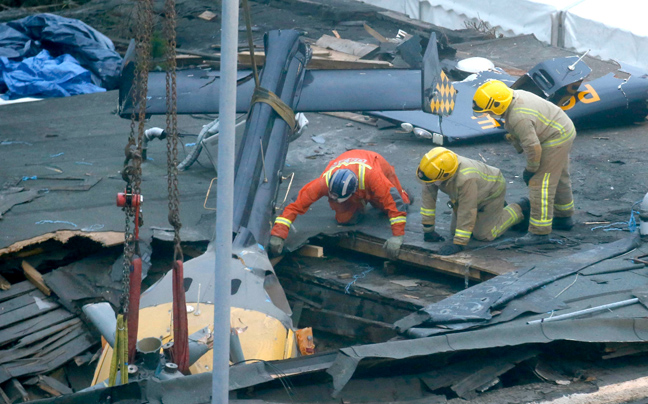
106	238
462	264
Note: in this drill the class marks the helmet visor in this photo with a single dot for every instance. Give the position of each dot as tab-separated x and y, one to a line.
421	176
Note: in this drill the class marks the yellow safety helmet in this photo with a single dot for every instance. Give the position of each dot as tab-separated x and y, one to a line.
439	164
493	96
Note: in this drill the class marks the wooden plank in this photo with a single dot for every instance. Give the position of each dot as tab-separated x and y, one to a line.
35	277
20	389
31	310
309	250
4	397
367	120
347	325
20	301
374	33
33	325
330	60
17	289
207	15
345	45
50	361
43	347
52	382
478	269
4	284
38	335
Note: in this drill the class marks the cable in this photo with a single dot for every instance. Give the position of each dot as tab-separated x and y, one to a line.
287	383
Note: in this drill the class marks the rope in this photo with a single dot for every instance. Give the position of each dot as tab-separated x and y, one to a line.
364	273
630	225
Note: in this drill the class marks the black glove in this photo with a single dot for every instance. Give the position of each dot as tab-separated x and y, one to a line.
276	245
433	237
526	176
450	248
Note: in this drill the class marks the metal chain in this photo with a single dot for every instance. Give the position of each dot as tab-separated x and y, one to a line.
132	172
172	126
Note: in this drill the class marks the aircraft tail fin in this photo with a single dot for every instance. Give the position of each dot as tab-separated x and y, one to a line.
438	93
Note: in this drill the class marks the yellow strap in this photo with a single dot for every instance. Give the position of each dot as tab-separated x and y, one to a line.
120	353
463	233
284	111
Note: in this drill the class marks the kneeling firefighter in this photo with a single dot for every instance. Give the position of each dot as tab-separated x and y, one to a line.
476	192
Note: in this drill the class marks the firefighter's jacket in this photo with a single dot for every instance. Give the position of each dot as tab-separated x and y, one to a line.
533	124
374	186
473	185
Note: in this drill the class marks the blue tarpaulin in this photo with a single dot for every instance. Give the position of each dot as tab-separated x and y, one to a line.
45	76
58	35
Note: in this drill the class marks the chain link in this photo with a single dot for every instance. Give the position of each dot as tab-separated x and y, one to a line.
132	172
172	126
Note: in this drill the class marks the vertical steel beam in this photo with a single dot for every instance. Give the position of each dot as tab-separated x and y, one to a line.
225	201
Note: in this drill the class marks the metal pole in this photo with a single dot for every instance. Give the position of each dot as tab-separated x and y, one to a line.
225	201
586	311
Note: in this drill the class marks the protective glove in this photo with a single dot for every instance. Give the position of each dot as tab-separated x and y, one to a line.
393	245
450	248
276	245
431	235
526	176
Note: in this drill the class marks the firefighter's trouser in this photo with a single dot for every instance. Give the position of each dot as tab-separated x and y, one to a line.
550	189
493	219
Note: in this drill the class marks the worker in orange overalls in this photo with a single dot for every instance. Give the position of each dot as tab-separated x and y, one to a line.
350	181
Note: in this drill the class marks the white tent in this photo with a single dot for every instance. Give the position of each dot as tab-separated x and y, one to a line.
611	30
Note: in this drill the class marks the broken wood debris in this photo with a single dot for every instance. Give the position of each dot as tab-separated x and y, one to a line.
310	250
322	59
345	45
207	15
367	120
474	268
4	284
35	277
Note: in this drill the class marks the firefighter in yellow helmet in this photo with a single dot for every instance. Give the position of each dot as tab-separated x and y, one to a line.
545	134
476	193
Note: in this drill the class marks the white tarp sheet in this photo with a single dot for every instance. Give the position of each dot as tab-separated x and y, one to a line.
611	29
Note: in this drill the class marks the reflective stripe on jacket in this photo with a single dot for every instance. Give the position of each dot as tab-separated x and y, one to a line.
374	186
473	184
535	123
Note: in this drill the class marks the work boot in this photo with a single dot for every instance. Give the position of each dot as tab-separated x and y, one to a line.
532	239
563	223
525	205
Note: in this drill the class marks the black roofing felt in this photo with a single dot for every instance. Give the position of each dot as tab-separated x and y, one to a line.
82	137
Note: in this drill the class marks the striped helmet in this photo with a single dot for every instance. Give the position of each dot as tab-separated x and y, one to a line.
342	185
